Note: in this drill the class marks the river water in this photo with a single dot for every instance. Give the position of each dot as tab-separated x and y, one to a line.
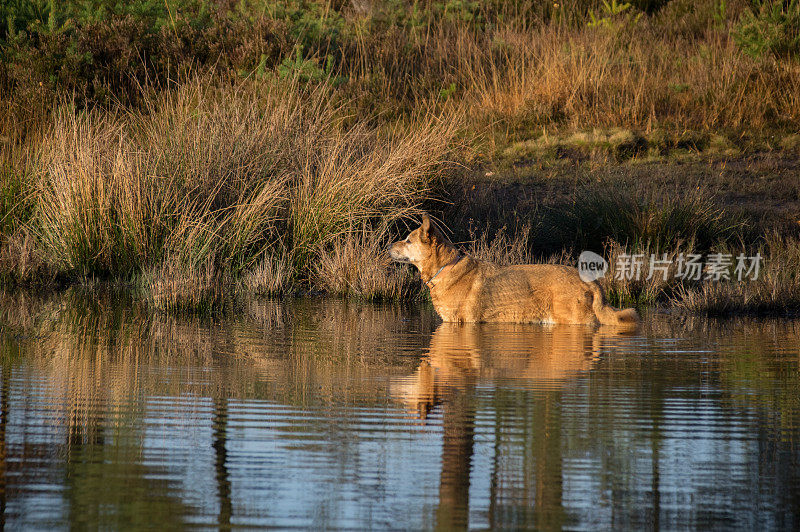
342	415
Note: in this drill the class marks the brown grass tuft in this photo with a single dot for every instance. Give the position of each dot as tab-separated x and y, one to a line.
358	265
272	275
502	248
263	179
776	291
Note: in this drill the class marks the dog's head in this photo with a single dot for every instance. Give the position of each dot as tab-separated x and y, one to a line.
418	245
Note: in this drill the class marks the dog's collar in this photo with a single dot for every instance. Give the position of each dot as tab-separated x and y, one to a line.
451	263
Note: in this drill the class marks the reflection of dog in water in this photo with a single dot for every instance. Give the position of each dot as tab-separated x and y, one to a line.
460	355
464	289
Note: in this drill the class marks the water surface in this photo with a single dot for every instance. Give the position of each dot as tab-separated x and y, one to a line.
332	414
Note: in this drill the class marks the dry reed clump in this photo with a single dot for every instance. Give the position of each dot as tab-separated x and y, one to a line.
253	182
85	164
220	152
775	291
272	275
21	261
358	265
503	248
628	285
361	175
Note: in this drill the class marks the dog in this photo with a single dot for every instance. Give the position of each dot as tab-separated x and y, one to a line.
464	289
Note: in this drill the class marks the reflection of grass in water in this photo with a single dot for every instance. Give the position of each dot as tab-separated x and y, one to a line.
100	350
108	486
754	354
103	356
100	354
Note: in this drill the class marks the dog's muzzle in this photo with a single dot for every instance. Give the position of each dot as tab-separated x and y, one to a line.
396	256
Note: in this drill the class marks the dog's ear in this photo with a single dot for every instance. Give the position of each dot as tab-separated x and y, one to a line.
426	229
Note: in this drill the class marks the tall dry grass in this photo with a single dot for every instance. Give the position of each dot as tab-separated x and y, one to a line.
578	78
680	70
83	217
358	265
272	275
363	174
212	183
504	248
627	286
775	291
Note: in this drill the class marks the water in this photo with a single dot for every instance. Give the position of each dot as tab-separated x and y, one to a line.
331	414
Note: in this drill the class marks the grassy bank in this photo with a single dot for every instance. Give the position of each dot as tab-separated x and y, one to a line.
208	186
195	150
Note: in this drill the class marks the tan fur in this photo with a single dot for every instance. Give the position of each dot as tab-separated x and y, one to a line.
464	289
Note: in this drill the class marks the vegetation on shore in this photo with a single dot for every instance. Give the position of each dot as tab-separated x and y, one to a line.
197	149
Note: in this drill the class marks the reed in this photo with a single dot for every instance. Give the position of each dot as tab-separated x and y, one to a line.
776	291
358	265
216	184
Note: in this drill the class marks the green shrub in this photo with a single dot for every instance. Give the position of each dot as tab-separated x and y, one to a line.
307	69
102	52
770	27
615	16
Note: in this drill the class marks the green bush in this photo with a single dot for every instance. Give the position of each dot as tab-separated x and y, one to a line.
102	52
614	16
770	27
305	70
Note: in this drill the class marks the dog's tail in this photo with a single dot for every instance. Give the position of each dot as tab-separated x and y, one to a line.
608	315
